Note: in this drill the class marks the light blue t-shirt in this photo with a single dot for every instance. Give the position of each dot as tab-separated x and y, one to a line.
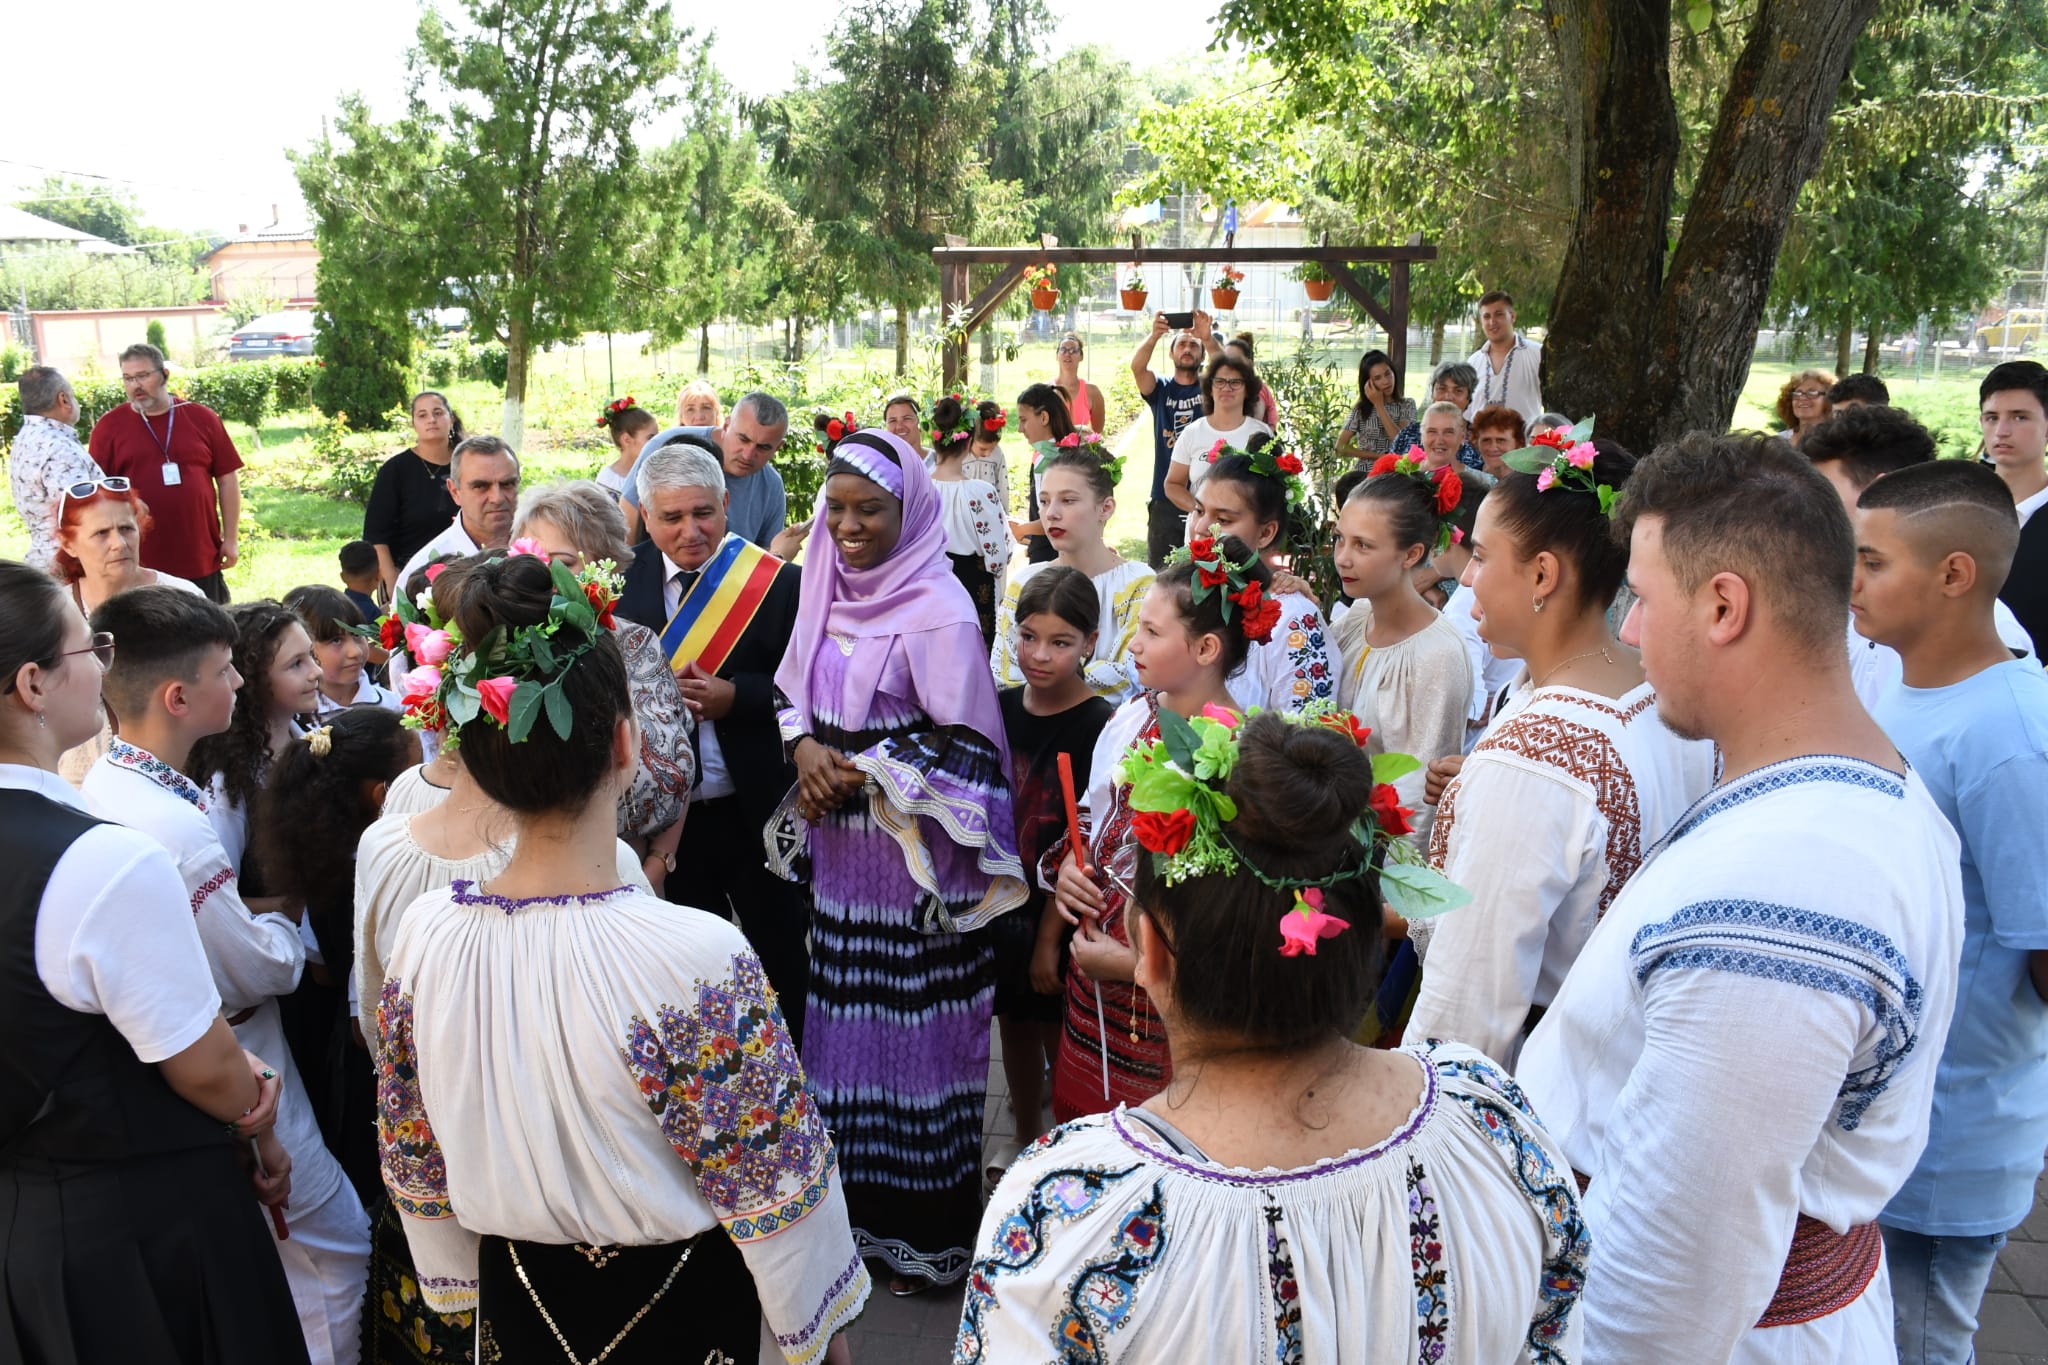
1981	746
758	508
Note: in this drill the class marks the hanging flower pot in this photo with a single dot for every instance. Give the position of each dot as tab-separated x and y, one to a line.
1223	289
1319	291
1039	279
1045	300
1133	300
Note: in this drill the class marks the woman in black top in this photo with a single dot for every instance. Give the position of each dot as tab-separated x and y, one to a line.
410	503
126	1107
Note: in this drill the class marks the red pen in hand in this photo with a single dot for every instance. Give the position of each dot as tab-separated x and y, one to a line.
1075	842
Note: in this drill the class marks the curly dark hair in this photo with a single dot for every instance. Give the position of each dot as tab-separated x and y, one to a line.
240	755
314	810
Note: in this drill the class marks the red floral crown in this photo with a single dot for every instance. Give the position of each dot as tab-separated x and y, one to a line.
1445	486
1563	457
962	426
834	430
997	422
615	407
1218	572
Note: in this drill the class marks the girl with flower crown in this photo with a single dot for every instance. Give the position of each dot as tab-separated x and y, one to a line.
1077	497
1198	620
1404	671
1255	496
977	538
1575	779
1285	1195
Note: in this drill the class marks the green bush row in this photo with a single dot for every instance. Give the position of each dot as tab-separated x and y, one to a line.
246	393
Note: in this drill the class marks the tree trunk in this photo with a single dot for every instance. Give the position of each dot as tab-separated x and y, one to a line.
1870	348
988	359
1767	142
798	326
902	338
1844	337
704	348
512	427
1623	131
1436	343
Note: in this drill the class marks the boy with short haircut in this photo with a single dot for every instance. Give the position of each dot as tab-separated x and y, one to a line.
360	579
1933	542
1854	448
2012	412
173	682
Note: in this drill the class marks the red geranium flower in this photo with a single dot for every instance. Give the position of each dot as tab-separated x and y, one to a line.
1450	490
1260	620
1289	462
1385	464
1385	804
391	632
1163	831
1346	724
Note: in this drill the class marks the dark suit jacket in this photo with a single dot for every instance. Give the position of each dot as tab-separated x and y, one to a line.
748	735
2026	586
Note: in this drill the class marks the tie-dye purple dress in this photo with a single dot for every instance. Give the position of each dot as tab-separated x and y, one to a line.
896	1033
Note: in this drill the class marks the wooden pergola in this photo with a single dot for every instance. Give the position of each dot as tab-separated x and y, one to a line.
964	314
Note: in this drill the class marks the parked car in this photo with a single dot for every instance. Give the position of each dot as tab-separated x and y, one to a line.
273	334
2020	329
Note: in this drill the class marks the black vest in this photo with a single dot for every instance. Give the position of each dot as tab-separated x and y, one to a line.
2026	587
72	1091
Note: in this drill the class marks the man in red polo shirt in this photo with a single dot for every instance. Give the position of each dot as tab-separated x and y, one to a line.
180	460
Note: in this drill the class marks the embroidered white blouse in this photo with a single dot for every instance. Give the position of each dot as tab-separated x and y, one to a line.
1751	1034
1544	825
1120	592
975	521
1293	668
611	1070
1414	695
1456	1240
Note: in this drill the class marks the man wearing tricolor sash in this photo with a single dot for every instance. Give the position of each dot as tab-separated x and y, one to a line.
723	608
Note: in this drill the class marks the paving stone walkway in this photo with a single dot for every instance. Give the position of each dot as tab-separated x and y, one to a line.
2012	1325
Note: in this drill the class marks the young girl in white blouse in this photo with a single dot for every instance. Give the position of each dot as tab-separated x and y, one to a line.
1077	497
1250	496
1288	1196
592	1117
1576	778
1403	669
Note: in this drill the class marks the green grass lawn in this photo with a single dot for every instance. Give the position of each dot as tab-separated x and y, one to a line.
292	530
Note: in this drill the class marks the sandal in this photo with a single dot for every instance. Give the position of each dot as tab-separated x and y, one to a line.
992	1174
905	1287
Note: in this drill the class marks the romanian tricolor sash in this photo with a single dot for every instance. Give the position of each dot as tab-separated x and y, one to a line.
719	606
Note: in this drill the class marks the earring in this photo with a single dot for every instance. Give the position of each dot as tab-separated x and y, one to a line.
42	721
1536	604
1134	1021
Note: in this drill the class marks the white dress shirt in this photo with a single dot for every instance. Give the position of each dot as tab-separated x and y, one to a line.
714	779
1517	382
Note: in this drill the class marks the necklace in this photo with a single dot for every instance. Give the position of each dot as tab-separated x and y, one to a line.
631	1323
1602	652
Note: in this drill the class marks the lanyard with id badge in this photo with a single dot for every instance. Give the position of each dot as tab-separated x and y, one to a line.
172	476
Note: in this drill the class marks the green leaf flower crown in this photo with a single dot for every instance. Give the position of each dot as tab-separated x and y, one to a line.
1082	441
1182	812
1563	458
513	675
1271	461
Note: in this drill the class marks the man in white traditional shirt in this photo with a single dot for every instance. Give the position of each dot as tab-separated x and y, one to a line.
47	458
1742	1059
1508	366
172	683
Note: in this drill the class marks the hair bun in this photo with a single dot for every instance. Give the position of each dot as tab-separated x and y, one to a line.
1613	462
489	590
1298	787
947	412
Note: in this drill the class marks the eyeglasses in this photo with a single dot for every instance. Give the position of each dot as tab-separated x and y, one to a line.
1809	393
101	648
140	378
86	488
1226	383
1067	350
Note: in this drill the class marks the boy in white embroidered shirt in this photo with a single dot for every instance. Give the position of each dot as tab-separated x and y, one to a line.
171	683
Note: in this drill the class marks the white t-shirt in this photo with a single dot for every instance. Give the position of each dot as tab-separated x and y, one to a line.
114	936
1192	446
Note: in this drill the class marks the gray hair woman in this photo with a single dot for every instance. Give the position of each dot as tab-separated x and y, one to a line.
1450	383
575	524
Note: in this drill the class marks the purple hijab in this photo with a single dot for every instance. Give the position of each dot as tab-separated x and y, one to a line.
909	603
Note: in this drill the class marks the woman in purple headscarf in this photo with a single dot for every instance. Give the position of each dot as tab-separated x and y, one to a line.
903	802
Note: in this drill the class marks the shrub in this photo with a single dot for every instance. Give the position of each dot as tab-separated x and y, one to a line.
239	393
492	361
364	363
346	467
436	368
154	335
294	383
13	360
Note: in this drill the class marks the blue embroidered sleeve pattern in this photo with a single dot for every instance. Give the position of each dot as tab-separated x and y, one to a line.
1801	948
1104	1293
723	1080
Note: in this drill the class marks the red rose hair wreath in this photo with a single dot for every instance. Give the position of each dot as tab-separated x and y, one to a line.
1217	572
1182	810
614	408
1271	461
1445	487
832	430
962	427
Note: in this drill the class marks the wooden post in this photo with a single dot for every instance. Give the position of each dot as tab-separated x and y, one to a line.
1397	306
952	297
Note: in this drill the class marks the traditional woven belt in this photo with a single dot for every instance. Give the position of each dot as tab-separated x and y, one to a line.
1825	1271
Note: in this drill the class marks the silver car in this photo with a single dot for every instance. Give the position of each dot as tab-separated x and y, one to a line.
273	334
